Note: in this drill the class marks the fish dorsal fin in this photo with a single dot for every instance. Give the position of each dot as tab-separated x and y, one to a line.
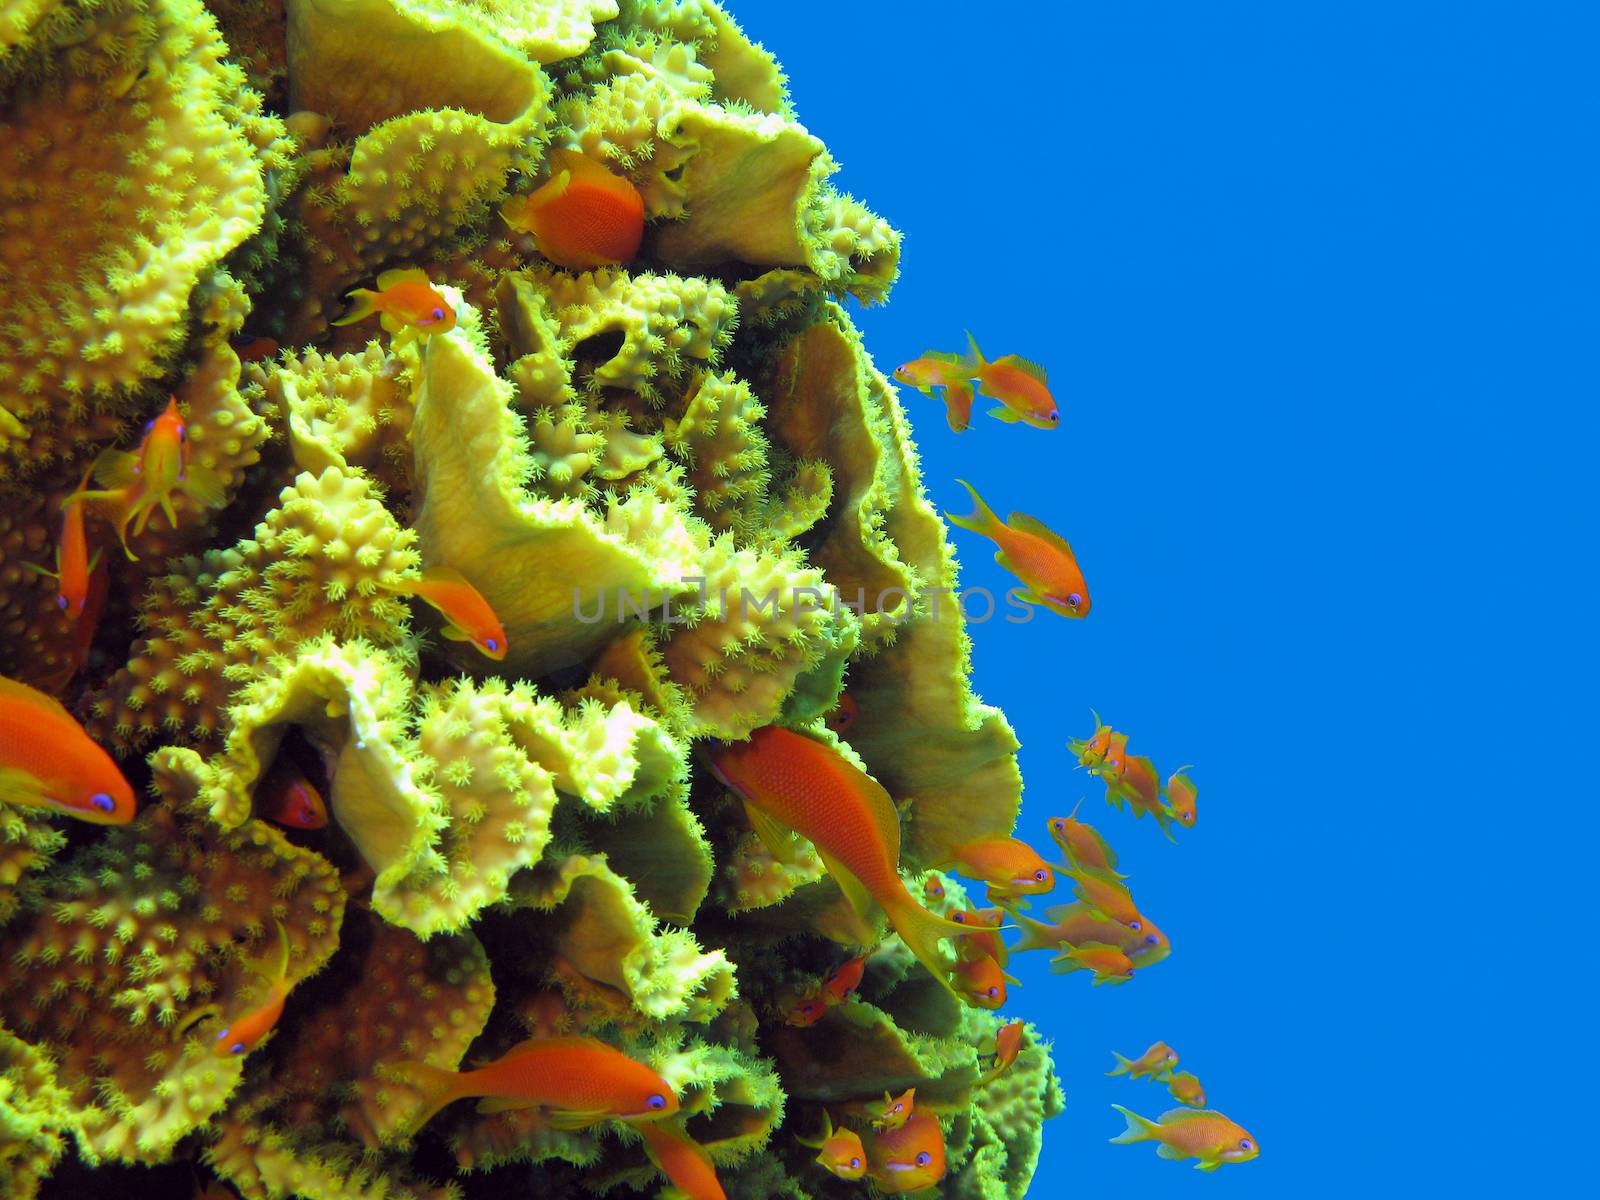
1027	366
858	896
1187	1114
443	575
943	356
399	275
1023	523
778	840
23	693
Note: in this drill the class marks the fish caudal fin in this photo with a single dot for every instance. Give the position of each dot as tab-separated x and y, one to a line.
437	1086
1124	1065
1140	1129
363	303
1035	935
921	931
981	520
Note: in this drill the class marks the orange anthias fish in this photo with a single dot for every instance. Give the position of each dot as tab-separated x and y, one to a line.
250	348
1155	1062
839	1150
1082	843
938	370
1030	551
48	761
982	982
1007	1045
404	299
1198	1133
139	481
806	1012
933	888
583	217
285	796
1092	752
578	1081
842	983
682	1160
467	614
245	1034
789	782
1010	867
1109	964
843	714
1075	924
73	564
1181	797
910	1158
1138	784
1018	384
985	941
1186	1089
1106	897
894	1112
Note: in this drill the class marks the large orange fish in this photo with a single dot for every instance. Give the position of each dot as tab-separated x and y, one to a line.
48	761
583	217
1197	1133
910	1158
137	482
1010	867
1018	384
404	299
73	563
839	1150
577	1081
789	782
1007	1045
1075	924
1034	554
682	1160
467	614
244	1034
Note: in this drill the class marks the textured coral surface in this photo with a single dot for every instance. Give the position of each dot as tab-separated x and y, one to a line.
680	484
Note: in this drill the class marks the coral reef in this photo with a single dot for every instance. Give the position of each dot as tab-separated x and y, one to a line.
680	484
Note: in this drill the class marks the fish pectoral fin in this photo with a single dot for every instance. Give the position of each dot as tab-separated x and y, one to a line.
858	896
1166	1151
114	469
780	842
500	1104
390	322
453	633
574	1119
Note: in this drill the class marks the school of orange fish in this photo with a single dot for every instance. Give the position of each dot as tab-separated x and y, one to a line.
791	783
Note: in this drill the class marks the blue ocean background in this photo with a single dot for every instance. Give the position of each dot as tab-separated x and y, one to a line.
1316	284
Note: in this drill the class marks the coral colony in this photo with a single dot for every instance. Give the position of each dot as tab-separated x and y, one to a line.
356	354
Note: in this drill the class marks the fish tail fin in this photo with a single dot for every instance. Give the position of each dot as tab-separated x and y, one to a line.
1140	1129
363	303
437	1087
921	930
1124	1065
1035	935
981	519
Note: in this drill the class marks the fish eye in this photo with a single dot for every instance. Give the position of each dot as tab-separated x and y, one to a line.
1150	939
236	1048
61	602
491	644
224	1034
993	992
183	433
924	1158
103	802
1074	600
1131	973
1135	926
959	918
1041	875
438	314
656	1101
855	1164
149	425
1246	1144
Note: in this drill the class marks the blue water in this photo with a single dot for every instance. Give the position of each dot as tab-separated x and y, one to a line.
1316	284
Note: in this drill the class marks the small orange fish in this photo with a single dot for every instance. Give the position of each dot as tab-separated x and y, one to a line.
1197	1133
982	982
404	299
139	481
285	796
910	1158
985	941
245	1034
938	370
48	761
1008	866
1074	924
1181	796
1154	1063
839	1150
1007	1045
1138	784
933	888
1109	964
1034	554
1107	896
578	1081
894	1112
1186	1089
791	782
682	1160
1018	384
806	1012
1092	752
843	714
842	983
467	614
81	641
250	348
583	217
1082	843
73	564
